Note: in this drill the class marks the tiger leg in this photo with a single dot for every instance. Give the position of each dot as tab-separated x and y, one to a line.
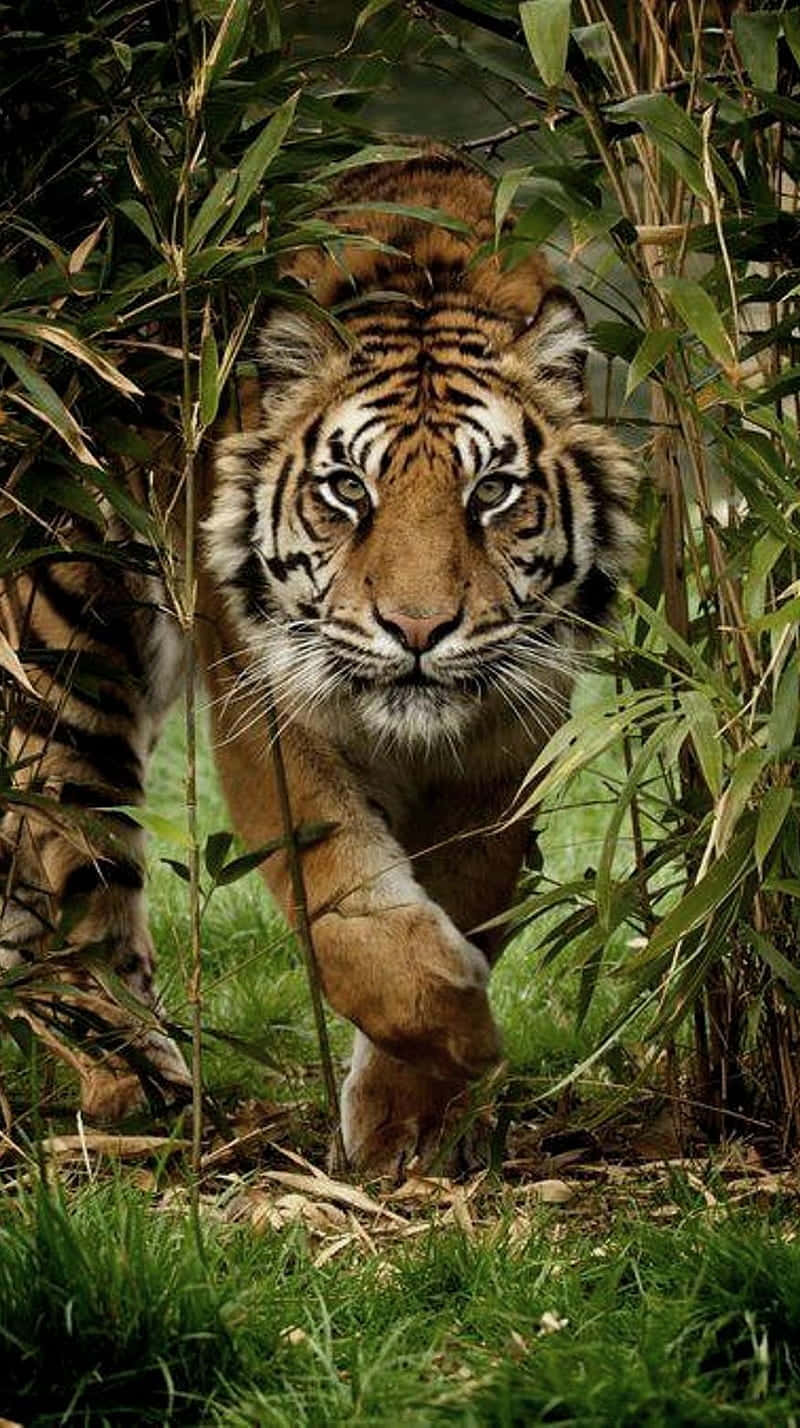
393	1114
389	958
95	651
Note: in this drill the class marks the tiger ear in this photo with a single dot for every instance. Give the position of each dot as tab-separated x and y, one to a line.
294	344
555	345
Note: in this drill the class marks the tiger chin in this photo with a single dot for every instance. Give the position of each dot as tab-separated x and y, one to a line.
402	549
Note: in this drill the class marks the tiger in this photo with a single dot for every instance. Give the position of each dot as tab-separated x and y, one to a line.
404	539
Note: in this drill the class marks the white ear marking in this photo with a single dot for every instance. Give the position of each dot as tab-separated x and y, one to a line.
555	344
292	344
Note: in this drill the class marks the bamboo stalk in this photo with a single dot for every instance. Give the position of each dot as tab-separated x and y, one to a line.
304	934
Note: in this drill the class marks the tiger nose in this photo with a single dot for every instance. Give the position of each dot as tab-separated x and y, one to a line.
418	632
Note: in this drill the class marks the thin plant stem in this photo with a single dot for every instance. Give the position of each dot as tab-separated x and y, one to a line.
304	934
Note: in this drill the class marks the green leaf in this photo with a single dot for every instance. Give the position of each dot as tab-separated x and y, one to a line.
227	40
240	867
783	720
370	154
694	305
209	378
53	335
757	39
123	53
779	965
367	13
152	177
674	134
138	215
504	197
180	868
214	205
772	814
260	155
42	400
652	350
749	767
155	823
438	216
218	846
702	900
603	890
761	560
546	27
791	30
702	724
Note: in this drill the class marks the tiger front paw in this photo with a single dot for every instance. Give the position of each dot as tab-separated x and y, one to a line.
414	986
396	1120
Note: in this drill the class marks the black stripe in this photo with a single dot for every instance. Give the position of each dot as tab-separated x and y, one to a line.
251	577
84	795
564	571
109	628
281	568
91	877
595	595
277	498
110	755
591	472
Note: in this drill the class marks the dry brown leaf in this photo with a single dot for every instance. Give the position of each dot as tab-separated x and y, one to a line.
121	1147
10	662
333	1248
233	1149
551	1192
321	1185
294	1336
460	1212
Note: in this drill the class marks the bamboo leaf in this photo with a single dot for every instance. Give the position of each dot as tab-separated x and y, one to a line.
653	349
674	134
701	722
259	156
772	815
749	767
779	965
505	195
10	662
783	720
546	27
437	216
214	205
694	305
757	40
218	846
227	40
370	154
791	30
155	823
137	214
641	764
177	867
240	867
209	376
35	330
702	900
44	401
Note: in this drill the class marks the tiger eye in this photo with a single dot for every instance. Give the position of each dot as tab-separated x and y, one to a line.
492	491
348	488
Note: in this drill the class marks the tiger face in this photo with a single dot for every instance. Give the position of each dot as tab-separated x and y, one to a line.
424	522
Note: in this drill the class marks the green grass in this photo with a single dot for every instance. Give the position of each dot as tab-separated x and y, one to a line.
108	1315
616	1309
